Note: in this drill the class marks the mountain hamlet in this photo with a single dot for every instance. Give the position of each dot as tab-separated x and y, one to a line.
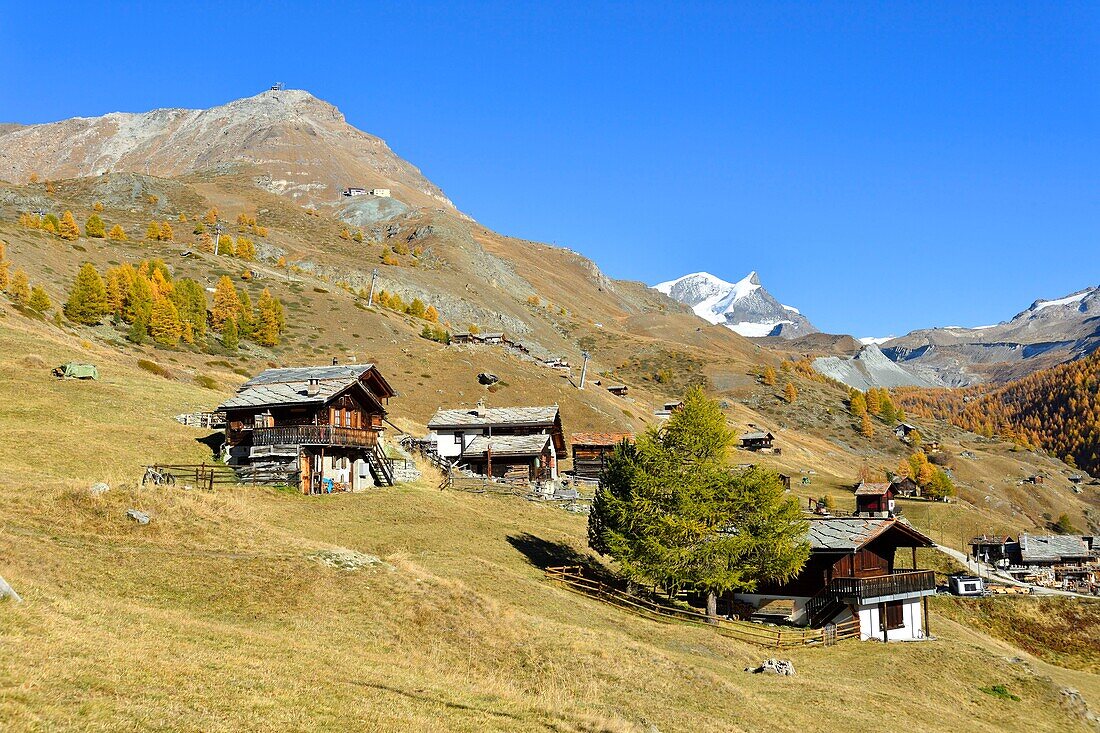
293	443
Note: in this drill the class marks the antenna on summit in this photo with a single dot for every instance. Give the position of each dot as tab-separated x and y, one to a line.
277	86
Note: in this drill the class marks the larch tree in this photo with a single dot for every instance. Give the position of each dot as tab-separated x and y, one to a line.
269	321
190	300
139	300
87	303
5	277
95	227
769	376
117	234
866	429
246	249
790	393
19	288
857	404
431	314
246	317
166	233
227	303
68	228
671	510
229	337
417	309
165	326
39	300
152	232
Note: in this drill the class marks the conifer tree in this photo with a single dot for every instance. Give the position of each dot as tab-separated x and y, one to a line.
117	234
227	303
190	300
672	512
95	227
5	277
866	428
857	404
246	317
200	228
417	308
139	330
87	303
51	224
431	314
211	216
68	228
152	231
165	326
790	392
225	246
769	376
269	320
874	401
139	300
230	337
39	300
97	206
206	242
19	289
166	233
245	249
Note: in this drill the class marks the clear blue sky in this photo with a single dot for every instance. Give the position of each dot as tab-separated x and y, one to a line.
884	166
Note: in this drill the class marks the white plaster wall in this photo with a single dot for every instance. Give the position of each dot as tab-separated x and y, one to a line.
911	615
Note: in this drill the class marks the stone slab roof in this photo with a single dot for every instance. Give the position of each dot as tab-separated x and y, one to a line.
600	438
289	386
1051	548
869	489
851	533
490	416
507	445
756	435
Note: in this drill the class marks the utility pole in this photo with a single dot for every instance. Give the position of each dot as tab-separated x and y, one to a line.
584	368
373	280
217	235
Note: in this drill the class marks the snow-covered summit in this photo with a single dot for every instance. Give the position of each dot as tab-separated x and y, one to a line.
743	306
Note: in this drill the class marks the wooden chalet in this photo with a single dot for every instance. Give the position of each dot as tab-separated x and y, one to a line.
590	451
669	407
480	439
757	440
905	487
318	427
851	574
619	390
993	549
875	499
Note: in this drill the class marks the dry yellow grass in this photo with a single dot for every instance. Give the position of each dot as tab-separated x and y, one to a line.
217	616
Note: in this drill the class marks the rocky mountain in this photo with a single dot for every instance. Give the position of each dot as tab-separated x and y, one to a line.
871	368
298	145
744	306
1048	332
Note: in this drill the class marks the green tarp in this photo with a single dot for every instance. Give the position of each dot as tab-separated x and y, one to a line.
76	370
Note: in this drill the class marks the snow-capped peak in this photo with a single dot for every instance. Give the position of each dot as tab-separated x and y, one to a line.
743	306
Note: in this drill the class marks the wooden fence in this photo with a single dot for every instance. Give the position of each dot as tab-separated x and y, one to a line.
208	475
572	577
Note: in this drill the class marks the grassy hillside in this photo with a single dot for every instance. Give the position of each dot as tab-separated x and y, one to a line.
224	613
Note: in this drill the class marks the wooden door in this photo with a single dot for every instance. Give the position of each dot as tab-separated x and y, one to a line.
305	469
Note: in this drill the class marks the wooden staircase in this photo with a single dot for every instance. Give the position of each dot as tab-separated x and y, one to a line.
381	466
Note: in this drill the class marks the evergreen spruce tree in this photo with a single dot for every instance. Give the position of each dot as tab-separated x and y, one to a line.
95	227
227	303
672	512
139	330
39	300
87	303
68	228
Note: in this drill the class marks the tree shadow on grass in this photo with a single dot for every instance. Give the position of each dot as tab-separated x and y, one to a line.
543	554
214	442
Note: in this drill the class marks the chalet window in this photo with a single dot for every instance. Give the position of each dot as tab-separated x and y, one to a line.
893	616
458	438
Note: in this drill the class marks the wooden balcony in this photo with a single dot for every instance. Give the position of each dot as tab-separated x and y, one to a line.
315	435
898	583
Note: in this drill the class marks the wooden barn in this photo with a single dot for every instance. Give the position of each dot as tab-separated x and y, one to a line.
851	574
318	427
590	451
875	499
757	440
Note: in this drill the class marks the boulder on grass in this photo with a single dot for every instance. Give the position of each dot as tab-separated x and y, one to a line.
98	489
138	516
781	667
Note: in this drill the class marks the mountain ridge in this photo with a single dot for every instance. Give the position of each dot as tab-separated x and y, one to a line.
744	307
